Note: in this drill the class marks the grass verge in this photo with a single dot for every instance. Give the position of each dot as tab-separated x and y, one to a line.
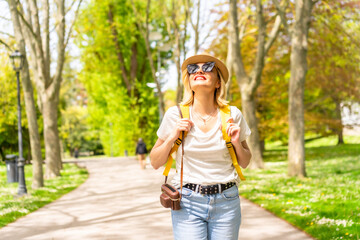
13	207
326	203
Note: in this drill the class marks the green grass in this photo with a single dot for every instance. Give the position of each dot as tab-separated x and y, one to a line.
13	207
326	203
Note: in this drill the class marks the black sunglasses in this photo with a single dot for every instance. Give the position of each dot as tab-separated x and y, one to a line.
207	67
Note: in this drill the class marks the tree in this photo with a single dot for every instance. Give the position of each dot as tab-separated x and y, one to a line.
248	84
29	102
36	33
298	67
75	131
145	34
8	112
333	64
119	117
178	27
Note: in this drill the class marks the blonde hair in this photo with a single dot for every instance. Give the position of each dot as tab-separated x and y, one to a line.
219	94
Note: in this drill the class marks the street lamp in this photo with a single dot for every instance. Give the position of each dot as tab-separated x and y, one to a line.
17	60
156	37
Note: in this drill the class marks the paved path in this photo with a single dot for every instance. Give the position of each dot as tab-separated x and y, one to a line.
121	201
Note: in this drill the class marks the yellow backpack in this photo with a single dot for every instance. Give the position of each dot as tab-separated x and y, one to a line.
225	114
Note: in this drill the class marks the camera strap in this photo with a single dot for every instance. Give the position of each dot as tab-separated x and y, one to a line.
182	156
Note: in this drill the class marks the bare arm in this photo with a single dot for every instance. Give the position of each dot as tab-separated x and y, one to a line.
160	152
243	154
242	150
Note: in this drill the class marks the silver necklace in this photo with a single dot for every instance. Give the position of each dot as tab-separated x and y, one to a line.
205	119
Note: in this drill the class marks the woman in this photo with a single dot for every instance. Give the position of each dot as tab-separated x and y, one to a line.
207	162
141	151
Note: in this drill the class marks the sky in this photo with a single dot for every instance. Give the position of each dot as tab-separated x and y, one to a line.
5	26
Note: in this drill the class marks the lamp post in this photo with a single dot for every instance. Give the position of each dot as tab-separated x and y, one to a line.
17	60
156	37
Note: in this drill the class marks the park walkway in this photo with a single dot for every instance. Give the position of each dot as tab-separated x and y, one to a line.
121	201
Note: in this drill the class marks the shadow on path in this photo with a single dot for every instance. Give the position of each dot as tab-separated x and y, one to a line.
121	201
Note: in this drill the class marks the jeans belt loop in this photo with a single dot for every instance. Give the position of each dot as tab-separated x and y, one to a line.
197	188
220	190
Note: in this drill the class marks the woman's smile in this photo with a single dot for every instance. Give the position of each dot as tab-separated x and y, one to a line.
200	77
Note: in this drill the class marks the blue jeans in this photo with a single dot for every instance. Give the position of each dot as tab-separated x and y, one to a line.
207	217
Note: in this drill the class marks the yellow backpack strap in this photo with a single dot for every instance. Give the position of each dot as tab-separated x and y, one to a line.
185	114
225	115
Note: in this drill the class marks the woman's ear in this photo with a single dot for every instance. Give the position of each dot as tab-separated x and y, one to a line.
218	84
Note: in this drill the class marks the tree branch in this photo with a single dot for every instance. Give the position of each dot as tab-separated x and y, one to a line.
71	6
188	10
46	35
27	24
3	43
4	18
260	55
340	29
238	64
7	34
119	54
242	26
282	15
73	23
273	34
60	31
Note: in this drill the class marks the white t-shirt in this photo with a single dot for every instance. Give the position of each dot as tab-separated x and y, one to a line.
207	160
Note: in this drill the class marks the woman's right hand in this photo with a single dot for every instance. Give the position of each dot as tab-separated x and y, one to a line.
183	124
160	152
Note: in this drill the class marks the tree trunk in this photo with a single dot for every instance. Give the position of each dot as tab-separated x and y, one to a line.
29	103
340	127
48	87
229	64
37	161
249	109
262	146
2	154
340	136
249	84
298	68
51	137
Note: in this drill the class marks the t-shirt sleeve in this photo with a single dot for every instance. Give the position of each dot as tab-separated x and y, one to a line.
168	123
240	120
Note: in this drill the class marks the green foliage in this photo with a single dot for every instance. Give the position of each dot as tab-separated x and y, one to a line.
75	130
325	203
333	69
8	109
120	117
333	76
12	207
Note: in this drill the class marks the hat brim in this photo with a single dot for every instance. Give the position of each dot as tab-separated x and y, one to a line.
203	58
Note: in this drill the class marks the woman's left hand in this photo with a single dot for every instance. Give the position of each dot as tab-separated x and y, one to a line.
233	130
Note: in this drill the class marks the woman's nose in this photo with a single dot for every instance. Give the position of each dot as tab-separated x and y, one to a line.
200	70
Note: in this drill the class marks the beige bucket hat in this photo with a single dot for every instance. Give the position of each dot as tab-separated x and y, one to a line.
203	58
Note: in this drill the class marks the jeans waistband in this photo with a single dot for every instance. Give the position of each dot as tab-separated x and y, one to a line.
209	189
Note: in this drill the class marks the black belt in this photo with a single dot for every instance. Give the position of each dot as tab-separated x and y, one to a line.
209	189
